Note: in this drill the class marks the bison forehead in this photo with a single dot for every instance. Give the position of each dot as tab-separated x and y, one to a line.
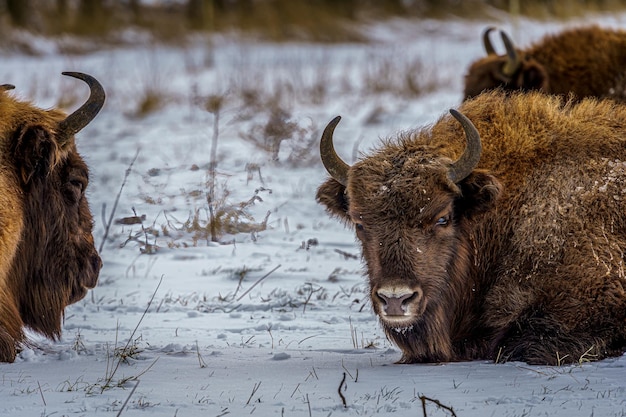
399	183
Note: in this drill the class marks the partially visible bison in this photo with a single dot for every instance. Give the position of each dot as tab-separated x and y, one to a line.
499	233
587	62
47	254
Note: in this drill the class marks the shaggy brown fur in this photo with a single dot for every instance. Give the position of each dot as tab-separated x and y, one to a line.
521	260
588	62
47	254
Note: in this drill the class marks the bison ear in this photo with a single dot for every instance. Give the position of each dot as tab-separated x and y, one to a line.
35	152
331	194
479	193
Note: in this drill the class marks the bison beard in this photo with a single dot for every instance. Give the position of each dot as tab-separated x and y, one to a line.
496	234
48	258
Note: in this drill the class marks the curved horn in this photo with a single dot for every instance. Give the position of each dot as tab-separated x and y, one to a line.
468	161
513	62
487	42
333	164
85	114
6	87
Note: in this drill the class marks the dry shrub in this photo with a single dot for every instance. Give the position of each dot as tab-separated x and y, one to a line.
407	78
227	219
150	101
279	127
151	94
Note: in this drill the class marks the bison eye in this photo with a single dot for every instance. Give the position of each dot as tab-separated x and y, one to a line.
78	184
442	221
361	233
75	189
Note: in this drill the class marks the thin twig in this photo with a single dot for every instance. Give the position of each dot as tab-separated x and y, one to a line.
306	302
110	377
346	369
309	337
146	370
254	390
200	358
438	403
41	392
341	384
309	404
256	283
212	167
127	398
149	249
346	255
107	226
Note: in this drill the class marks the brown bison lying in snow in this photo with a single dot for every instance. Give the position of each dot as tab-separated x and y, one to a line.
497	234
588	62
47	254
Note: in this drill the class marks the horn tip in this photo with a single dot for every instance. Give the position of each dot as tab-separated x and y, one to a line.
74	74
506	39
333	123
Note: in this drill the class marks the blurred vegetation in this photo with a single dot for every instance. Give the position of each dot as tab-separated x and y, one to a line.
319	20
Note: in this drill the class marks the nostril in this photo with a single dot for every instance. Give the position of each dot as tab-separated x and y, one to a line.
397	304
96	263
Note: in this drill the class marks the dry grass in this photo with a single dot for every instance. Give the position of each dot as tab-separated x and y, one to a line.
402	77
148	102
228	219
279	127
277	20
564	9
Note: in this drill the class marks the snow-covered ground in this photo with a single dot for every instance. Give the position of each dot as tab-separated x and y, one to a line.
272	322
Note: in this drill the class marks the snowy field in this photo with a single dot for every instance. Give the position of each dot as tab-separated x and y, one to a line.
274	320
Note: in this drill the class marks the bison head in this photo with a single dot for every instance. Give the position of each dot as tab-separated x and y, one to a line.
410	205
516	70
53	262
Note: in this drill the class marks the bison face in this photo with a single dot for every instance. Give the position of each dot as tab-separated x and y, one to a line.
514	71
410	207
489	74
56	261
78	226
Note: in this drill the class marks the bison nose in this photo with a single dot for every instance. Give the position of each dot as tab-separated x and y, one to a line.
398	302
96	262
90	280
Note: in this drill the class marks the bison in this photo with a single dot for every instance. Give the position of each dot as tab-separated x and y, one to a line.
47	254
586	62
496	234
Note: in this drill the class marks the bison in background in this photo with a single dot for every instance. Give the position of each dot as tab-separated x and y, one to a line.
47	254
497	234
587	62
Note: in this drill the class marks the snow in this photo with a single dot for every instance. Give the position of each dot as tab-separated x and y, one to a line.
266	322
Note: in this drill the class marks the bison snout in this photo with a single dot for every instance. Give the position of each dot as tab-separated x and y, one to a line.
92	276
96	262
399	301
